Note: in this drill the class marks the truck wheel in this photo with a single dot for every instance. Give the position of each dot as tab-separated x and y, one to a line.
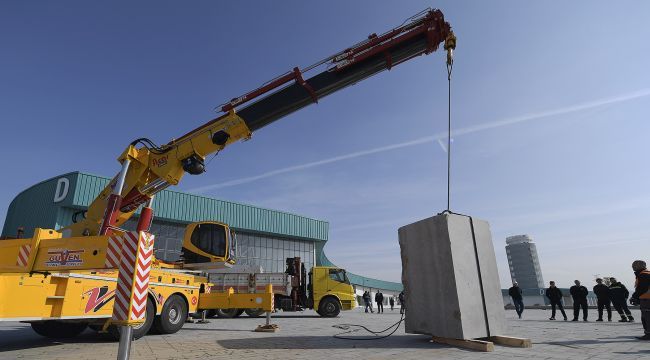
229	313
58	329
329	307
254	312
173	315
139	330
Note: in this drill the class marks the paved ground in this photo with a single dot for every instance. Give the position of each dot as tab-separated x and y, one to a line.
308	336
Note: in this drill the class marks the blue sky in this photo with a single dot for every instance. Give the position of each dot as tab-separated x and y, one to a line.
550	104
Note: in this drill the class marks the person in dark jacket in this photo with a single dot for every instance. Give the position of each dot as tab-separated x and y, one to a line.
367	301
641	295
618	294
379	299
517	298
602	293
579	294
402	302
391	301
554	295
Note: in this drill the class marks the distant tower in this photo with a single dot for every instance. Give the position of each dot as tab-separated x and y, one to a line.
524	262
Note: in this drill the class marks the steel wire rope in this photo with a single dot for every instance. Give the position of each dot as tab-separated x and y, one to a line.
450	65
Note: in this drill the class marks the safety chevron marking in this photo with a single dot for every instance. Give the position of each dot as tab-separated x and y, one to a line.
133	278
113	250
23	255
145	257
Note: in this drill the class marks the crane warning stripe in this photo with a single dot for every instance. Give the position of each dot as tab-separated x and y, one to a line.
113	251
23	255
141	286
136	257
125	277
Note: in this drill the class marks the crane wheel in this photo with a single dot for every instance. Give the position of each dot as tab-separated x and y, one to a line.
329	307
138	330
254	312
210	313
56	329
229	313
173	315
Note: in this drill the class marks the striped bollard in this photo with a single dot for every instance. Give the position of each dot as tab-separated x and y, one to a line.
130	306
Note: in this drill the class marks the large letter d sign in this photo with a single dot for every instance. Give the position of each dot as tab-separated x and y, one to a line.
62	186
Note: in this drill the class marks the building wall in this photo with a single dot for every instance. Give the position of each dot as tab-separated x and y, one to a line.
51	203
271	252
265	237
267	251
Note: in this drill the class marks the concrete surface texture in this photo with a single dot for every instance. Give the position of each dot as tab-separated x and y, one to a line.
450	278
307	336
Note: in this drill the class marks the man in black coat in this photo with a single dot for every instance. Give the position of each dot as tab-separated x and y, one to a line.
554	295
618	294
602	293
517	298
379	299
579	294
402	302
367	301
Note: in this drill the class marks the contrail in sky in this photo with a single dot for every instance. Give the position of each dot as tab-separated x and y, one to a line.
436	137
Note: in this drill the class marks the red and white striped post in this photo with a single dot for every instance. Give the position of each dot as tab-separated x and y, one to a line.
132	253
130	306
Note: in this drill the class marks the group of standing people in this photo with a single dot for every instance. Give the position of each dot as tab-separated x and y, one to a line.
379	299
615	294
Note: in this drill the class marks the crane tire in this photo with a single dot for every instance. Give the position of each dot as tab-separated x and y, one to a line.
138	330
254	312
56	329
173	315
229	313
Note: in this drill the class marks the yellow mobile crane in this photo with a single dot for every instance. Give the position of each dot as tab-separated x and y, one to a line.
61	281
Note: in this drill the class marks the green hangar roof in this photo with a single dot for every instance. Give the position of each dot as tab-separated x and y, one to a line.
52	203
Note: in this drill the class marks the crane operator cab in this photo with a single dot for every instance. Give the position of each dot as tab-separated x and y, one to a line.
209	245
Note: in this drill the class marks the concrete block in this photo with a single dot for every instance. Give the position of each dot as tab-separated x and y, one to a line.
450	278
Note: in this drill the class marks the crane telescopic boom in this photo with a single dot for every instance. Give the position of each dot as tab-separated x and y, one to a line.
148	169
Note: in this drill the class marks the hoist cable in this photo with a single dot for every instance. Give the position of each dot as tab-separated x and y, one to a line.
450	65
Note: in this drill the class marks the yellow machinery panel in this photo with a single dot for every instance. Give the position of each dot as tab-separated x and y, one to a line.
84	294
47	251
232	300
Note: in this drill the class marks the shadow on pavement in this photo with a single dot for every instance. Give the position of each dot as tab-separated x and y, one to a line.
273	316
291	317
589	341
200	329
21	338
329	342
632	352
560	321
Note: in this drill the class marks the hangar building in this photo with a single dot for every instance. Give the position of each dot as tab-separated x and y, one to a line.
264	237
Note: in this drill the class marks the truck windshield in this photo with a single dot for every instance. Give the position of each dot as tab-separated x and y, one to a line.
339	275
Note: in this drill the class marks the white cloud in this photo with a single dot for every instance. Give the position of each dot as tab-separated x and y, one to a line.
436	137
